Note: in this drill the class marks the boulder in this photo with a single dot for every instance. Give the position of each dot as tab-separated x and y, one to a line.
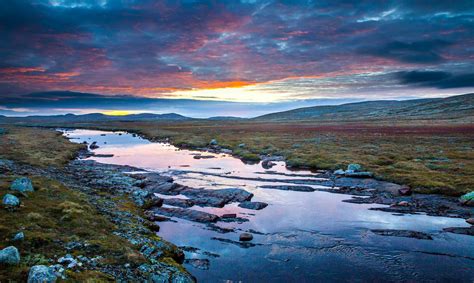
10	256
22	185
470	221
405	191
213	142
10	200
19	236
255	205
339	172
467	199
245	237
41	274
354	167
242	145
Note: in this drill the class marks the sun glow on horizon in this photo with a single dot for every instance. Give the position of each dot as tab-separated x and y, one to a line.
118	112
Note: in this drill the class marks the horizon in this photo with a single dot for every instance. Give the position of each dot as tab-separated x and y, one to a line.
247	57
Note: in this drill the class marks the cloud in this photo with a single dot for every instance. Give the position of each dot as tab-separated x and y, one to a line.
438	79
422	52
157	48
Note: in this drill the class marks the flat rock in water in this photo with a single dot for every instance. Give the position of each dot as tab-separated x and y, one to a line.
245	237
461	230
198	263
403	233
184	203
255	205
289	188
188	214
10	256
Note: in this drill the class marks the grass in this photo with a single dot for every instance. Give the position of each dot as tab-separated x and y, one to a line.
52	216
430	157
37	147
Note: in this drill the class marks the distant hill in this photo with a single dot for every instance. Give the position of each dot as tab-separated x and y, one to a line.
454	107
98	117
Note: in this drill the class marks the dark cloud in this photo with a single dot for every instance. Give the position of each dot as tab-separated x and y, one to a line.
437	79
423	52
156	47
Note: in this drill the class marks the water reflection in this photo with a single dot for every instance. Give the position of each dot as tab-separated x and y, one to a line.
300	236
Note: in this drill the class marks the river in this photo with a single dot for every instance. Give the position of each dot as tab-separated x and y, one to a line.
299	236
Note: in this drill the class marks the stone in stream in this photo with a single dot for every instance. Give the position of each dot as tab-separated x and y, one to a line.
179	202
188	214
255	205
354	167
22	185
289	188
467	199
153	201
470	221
200	156
94	145
245	237
403	233
461	230
229	215
41	274
213	142
198	263
9	256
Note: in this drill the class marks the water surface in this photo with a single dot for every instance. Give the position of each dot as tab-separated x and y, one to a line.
300	236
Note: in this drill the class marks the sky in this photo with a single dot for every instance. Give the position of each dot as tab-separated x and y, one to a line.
221	58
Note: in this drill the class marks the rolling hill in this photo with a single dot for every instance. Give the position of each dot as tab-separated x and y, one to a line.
454	107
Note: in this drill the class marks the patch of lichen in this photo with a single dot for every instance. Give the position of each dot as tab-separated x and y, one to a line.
52	216
37	146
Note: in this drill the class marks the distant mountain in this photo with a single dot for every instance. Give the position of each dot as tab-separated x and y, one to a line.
454	107
99	117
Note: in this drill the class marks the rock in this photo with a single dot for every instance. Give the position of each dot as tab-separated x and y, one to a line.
289	188
405	191
354	167
200	156
10	256
403	203
162	272
22	185
461	230
70	261
94	145
245	237
349	173
41	274
403	233
188	214
255	205
154	201
470	221
19	236
213	142
267	164
179	202
198	263
226	151
242	145
153	226
339	172
10	200
229	215
153	217
467	199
